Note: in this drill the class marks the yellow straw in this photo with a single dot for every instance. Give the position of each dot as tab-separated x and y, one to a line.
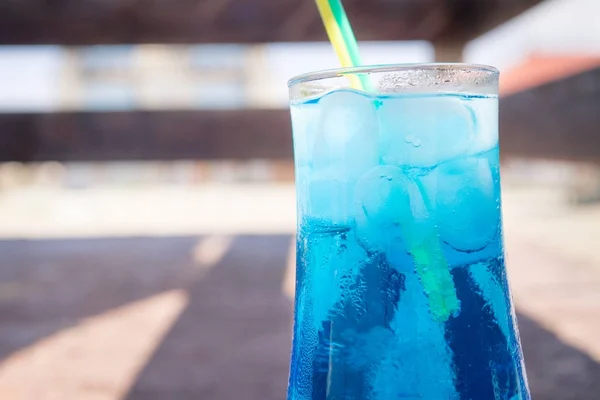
341	37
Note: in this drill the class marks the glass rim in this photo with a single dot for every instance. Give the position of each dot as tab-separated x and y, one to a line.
383	68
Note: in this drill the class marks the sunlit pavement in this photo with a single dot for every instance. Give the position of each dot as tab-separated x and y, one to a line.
185	293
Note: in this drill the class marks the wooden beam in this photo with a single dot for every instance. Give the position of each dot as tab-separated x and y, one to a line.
76	22
73	22
87	136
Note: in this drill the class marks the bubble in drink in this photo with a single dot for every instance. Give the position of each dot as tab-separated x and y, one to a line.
337	260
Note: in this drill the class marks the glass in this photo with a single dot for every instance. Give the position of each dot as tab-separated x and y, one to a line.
401	288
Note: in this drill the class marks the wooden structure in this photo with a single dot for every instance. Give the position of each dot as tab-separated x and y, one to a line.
555	120
141	135
76	22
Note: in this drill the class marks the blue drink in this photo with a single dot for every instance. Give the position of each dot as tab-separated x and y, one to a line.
401	288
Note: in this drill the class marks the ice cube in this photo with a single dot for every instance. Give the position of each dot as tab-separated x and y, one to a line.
390	214
424	131
467	203
346	139
486	124
329	197
305	124
339	145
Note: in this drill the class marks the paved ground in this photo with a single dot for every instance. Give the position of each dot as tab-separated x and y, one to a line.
167	317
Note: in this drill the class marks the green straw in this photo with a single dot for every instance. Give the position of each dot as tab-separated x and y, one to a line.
428	255
342	38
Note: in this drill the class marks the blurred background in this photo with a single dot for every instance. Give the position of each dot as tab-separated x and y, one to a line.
146	185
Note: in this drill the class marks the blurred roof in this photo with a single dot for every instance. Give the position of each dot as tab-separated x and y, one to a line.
549	109
76	22
539	69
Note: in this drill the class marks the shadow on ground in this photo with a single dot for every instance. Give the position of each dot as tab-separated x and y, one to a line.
49	285
557	371
233	339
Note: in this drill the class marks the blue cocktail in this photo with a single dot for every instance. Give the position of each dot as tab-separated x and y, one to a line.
401	284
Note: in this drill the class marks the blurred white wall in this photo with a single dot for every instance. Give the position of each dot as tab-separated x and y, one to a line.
208	76
29	77
554	27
